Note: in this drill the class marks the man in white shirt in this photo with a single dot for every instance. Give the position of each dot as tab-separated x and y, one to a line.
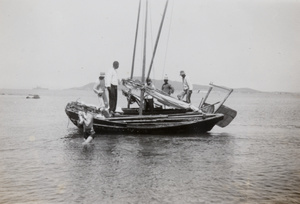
187	88
111	83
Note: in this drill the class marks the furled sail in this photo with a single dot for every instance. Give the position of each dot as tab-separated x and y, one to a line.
161	96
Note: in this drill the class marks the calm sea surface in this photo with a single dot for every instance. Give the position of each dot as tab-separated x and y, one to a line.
256	159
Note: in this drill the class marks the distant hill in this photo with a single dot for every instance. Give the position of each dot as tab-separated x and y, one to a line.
158	83
246	90
176	84
88	86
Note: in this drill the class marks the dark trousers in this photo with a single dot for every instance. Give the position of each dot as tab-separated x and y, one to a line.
113	96
149	105
188	96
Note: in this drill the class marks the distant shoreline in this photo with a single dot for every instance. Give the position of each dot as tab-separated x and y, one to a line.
178	86
89	87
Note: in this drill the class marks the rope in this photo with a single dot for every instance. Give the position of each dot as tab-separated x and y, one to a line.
168	41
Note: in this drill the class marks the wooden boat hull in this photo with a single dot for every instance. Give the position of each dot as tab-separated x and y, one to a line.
151	124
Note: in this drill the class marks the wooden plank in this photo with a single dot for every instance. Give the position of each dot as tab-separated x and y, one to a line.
140	117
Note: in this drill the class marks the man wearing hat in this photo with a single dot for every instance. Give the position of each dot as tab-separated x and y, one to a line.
111	83
166	87
101	91
187	88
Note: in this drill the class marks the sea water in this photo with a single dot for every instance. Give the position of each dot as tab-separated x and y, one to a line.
256	159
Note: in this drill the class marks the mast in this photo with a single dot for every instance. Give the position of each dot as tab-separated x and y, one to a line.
144	62
134	49
157	39
136	34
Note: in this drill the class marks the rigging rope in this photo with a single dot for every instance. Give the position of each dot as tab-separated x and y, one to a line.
168	37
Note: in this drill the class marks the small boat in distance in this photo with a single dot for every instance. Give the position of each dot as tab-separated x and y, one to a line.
32	96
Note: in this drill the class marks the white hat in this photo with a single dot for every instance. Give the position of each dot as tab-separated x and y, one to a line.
166	77
102	74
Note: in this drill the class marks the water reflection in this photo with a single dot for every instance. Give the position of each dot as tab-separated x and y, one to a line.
44	161
147	168
211	167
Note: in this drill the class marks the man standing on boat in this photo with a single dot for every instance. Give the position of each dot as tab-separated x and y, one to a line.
187	88
111	83
166	87
86	119
101	91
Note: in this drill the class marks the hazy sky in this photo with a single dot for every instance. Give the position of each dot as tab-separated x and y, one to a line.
66	43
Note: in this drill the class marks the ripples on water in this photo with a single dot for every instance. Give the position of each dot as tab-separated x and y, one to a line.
254	160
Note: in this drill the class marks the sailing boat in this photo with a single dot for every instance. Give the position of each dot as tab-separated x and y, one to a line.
181	118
